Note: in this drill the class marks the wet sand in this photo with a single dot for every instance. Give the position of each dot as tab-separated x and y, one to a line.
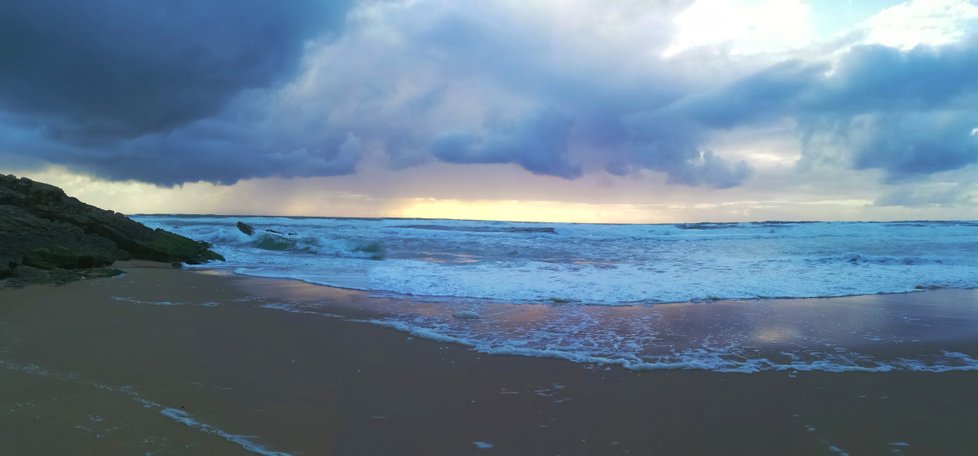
165	361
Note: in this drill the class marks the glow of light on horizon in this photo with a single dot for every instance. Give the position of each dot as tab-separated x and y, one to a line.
310	197
530	211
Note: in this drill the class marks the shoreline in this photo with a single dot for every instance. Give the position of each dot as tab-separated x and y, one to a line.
315	384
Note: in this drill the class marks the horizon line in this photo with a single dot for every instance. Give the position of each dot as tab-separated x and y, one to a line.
704	222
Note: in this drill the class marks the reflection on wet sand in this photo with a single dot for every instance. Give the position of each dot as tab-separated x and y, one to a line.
929	331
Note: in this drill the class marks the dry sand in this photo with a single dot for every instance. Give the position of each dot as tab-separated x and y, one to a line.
165	361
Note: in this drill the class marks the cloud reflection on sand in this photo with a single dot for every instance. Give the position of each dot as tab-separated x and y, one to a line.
929	331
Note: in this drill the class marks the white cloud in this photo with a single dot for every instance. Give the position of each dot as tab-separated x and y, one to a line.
747	27
920	22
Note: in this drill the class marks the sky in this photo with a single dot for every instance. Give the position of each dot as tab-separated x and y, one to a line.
650	111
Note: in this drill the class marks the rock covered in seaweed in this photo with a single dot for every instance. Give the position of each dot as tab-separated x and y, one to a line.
42	227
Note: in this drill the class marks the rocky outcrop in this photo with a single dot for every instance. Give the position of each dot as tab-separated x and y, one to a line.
42	228
246	228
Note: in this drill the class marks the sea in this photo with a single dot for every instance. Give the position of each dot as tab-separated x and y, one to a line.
730	297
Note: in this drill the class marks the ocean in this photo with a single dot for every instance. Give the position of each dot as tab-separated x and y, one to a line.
717	296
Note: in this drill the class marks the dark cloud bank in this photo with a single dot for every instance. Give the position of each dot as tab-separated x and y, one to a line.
178	91
106	83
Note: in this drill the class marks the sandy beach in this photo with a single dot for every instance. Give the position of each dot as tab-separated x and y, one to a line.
168	361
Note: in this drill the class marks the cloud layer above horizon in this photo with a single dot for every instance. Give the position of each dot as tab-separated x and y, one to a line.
714	95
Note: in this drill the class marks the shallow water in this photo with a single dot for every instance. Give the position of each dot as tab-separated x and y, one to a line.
925	332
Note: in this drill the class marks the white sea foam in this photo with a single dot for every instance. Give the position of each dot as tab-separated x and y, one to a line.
466	315
245	442
730	358
139	301
835	450
749	337
297	309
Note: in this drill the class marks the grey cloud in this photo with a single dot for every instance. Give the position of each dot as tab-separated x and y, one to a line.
911	113
769	93
670	140
180	111
706	168
208	90
223	150
916	143
539	145
627	125
93	72
875	77
908	113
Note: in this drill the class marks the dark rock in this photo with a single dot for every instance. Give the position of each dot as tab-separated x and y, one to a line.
246	228
43	243
6	267
275	232
64	257
42	228
27	275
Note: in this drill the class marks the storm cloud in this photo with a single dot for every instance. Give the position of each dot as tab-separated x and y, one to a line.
93	72
220	91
